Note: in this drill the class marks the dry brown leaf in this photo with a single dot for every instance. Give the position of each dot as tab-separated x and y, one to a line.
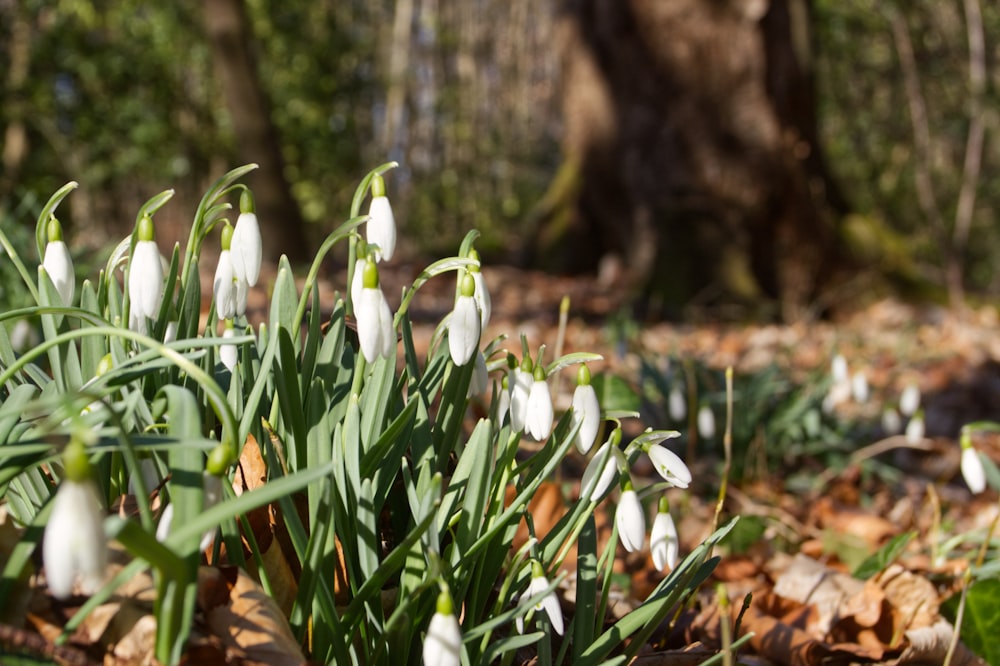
873	530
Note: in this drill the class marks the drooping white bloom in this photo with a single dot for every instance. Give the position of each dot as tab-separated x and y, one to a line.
212	486
59	265
859	387
464	325
358	279
909	401
586	411
229	354
663	541
549	603
480	377
224	287
504	400
247	248
381	226
145	282
170	332
630	520
443	642
374	318
520	382
972	470
75	545
706	422
669	465
538	420
892	424
603	467
838	369
915	429
482	294
677	404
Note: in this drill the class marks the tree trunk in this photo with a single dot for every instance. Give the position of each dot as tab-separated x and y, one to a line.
691	153
281	224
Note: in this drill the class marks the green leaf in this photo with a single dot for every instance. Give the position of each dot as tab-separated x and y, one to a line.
981	622
882	558
615	394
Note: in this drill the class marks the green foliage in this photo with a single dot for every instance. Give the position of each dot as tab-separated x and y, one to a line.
981	622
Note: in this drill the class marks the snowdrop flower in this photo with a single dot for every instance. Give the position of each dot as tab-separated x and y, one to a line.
669	465
381	222
246	243
663	541
630	519
586	411
145	281
892	424
603	467
443	642
972	465
374	319
538	420
225	281
504	400
520	380
358	277
75	545
549	603
464	324
58	263
915	428
480	377
229	354
170	332
706	422
212	486
838	369
909	401
859	387
677	404
482	294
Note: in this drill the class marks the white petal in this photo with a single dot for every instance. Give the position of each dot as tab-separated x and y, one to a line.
75	544
228	354
859	387
504	398
224	288
443	643
246	248
387	336
838	369
374	319
358	280
669	465
145	287
463	330
381	229
604	467
909	401
631	521
483	300
538	420
586	412
972	470
677	404
892	424
915	430
706	422
480	377
549	603
59	265
520	383
663	542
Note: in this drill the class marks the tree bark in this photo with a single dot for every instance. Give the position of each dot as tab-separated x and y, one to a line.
691	151
282	227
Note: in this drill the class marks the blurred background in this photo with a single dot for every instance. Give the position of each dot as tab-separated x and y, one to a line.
781	157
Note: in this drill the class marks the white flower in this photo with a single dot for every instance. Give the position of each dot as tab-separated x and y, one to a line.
483	299
677	403
246	248
972	470
464	325
75	544
669	465
59	265
212	486
706	422
663	541
145	284
170	332
443	642
859	387
374	318
586	412
604	466
520	382
504	401
892	424
549	603
228	354
631	520
915	429
381	228
358	280
838	368
480	377
909	401
224	286
538	420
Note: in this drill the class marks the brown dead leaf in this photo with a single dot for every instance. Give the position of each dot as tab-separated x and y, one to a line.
873	530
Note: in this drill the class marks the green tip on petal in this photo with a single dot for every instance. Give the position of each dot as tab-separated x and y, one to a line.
145	230
583	375
536	569
54	230
527	365
627	483
105	365
965	440
369	279
539	373
444	604
246	202
511	361
664	505
227	236
362	248
474	268
378	186
76	462
218	461
468	285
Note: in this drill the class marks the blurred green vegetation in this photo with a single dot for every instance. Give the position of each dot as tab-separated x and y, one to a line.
121	95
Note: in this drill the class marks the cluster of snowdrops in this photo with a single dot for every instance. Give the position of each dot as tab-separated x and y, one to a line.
133	392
